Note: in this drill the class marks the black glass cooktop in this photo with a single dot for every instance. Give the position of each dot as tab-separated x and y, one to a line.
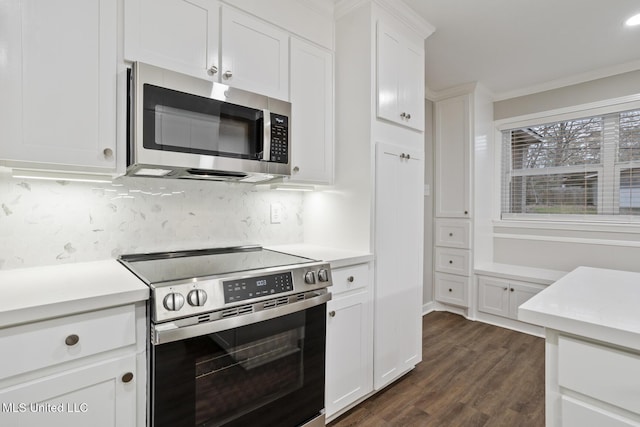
169	266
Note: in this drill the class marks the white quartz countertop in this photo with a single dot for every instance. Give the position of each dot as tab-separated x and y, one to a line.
37	293
335	256
595	303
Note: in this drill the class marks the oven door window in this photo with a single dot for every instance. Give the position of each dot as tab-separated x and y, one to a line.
181	122
264	374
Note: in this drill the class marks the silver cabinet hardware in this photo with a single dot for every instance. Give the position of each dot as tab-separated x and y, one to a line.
72	340
227	74
350	279
107	153
332	313
212	70
296	169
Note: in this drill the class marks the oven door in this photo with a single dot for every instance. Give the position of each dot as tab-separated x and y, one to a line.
269	373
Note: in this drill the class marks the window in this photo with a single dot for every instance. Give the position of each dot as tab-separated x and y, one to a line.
582	167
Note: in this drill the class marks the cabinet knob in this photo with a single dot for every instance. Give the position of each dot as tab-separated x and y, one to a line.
332	313
227	74
212	70
511	289
126	378
450	290
450	234
72	340
296	169
450	261
107	153
408	116
466	212
403	115
506	289
350	279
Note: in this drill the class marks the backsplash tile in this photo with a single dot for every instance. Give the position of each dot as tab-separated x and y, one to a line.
50	222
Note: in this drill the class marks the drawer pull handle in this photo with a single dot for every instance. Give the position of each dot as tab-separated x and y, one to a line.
332	313
350	279
72	340
450	261
506	289
126	378
450	234
450	290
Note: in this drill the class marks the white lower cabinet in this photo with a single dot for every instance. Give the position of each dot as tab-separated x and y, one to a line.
79	370
591	383
503	297
101	394
349	362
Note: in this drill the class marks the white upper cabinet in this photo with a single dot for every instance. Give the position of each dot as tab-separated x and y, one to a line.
58	76
453	157
400	66
174	34
207	40
312	113
255	55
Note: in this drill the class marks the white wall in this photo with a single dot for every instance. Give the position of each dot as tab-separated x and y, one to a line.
51	222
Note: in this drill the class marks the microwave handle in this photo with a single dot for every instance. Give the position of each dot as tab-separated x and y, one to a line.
266	134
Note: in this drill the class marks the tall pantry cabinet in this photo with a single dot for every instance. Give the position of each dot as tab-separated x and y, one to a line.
380	159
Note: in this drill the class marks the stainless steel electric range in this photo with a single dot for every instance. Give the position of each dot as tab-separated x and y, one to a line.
237	336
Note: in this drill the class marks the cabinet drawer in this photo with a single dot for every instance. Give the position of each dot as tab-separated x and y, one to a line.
580	414
47	343
453	233
604	373
451	260
348	278
452	289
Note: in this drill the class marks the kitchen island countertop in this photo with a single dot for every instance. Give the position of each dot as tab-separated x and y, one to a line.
38	293
595	303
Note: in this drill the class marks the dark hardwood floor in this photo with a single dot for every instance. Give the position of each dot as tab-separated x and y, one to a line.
471	374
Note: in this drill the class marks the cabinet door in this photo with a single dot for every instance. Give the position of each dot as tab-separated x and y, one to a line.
400	66
58	83
179	35
97	395
519	294
312	113
493	296
452	152
349	363
255	55
398	249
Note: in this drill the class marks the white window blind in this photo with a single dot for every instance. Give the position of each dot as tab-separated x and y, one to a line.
587	167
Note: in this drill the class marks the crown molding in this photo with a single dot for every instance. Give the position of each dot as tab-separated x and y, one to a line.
396	8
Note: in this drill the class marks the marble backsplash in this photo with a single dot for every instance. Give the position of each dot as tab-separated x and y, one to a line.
52	222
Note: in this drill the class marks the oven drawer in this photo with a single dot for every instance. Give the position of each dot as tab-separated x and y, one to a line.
349	278
56	341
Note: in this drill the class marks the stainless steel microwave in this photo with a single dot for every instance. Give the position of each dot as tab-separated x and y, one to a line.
190	128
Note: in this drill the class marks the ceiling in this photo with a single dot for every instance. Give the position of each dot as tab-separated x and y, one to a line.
514	47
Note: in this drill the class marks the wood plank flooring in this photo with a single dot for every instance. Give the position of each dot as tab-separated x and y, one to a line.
472	375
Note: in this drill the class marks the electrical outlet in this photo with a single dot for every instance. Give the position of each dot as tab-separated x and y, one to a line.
276	213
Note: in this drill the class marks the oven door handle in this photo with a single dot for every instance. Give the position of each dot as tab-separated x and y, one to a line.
170	332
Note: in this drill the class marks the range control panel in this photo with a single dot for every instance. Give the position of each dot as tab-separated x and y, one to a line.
253	287
175	300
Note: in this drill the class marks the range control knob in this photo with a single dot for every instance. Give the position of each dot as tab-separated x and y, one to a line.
173	301
197	297
323	275
310	277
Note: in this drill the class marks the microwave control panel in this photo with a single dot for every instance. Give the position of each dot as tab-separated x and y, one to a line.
279	138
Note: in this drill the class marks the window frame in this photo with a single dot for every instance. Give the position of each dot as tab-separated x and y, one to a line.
577	112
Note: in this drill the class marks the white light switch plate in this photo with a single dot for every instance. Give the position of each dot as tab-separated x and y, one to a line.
276	213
